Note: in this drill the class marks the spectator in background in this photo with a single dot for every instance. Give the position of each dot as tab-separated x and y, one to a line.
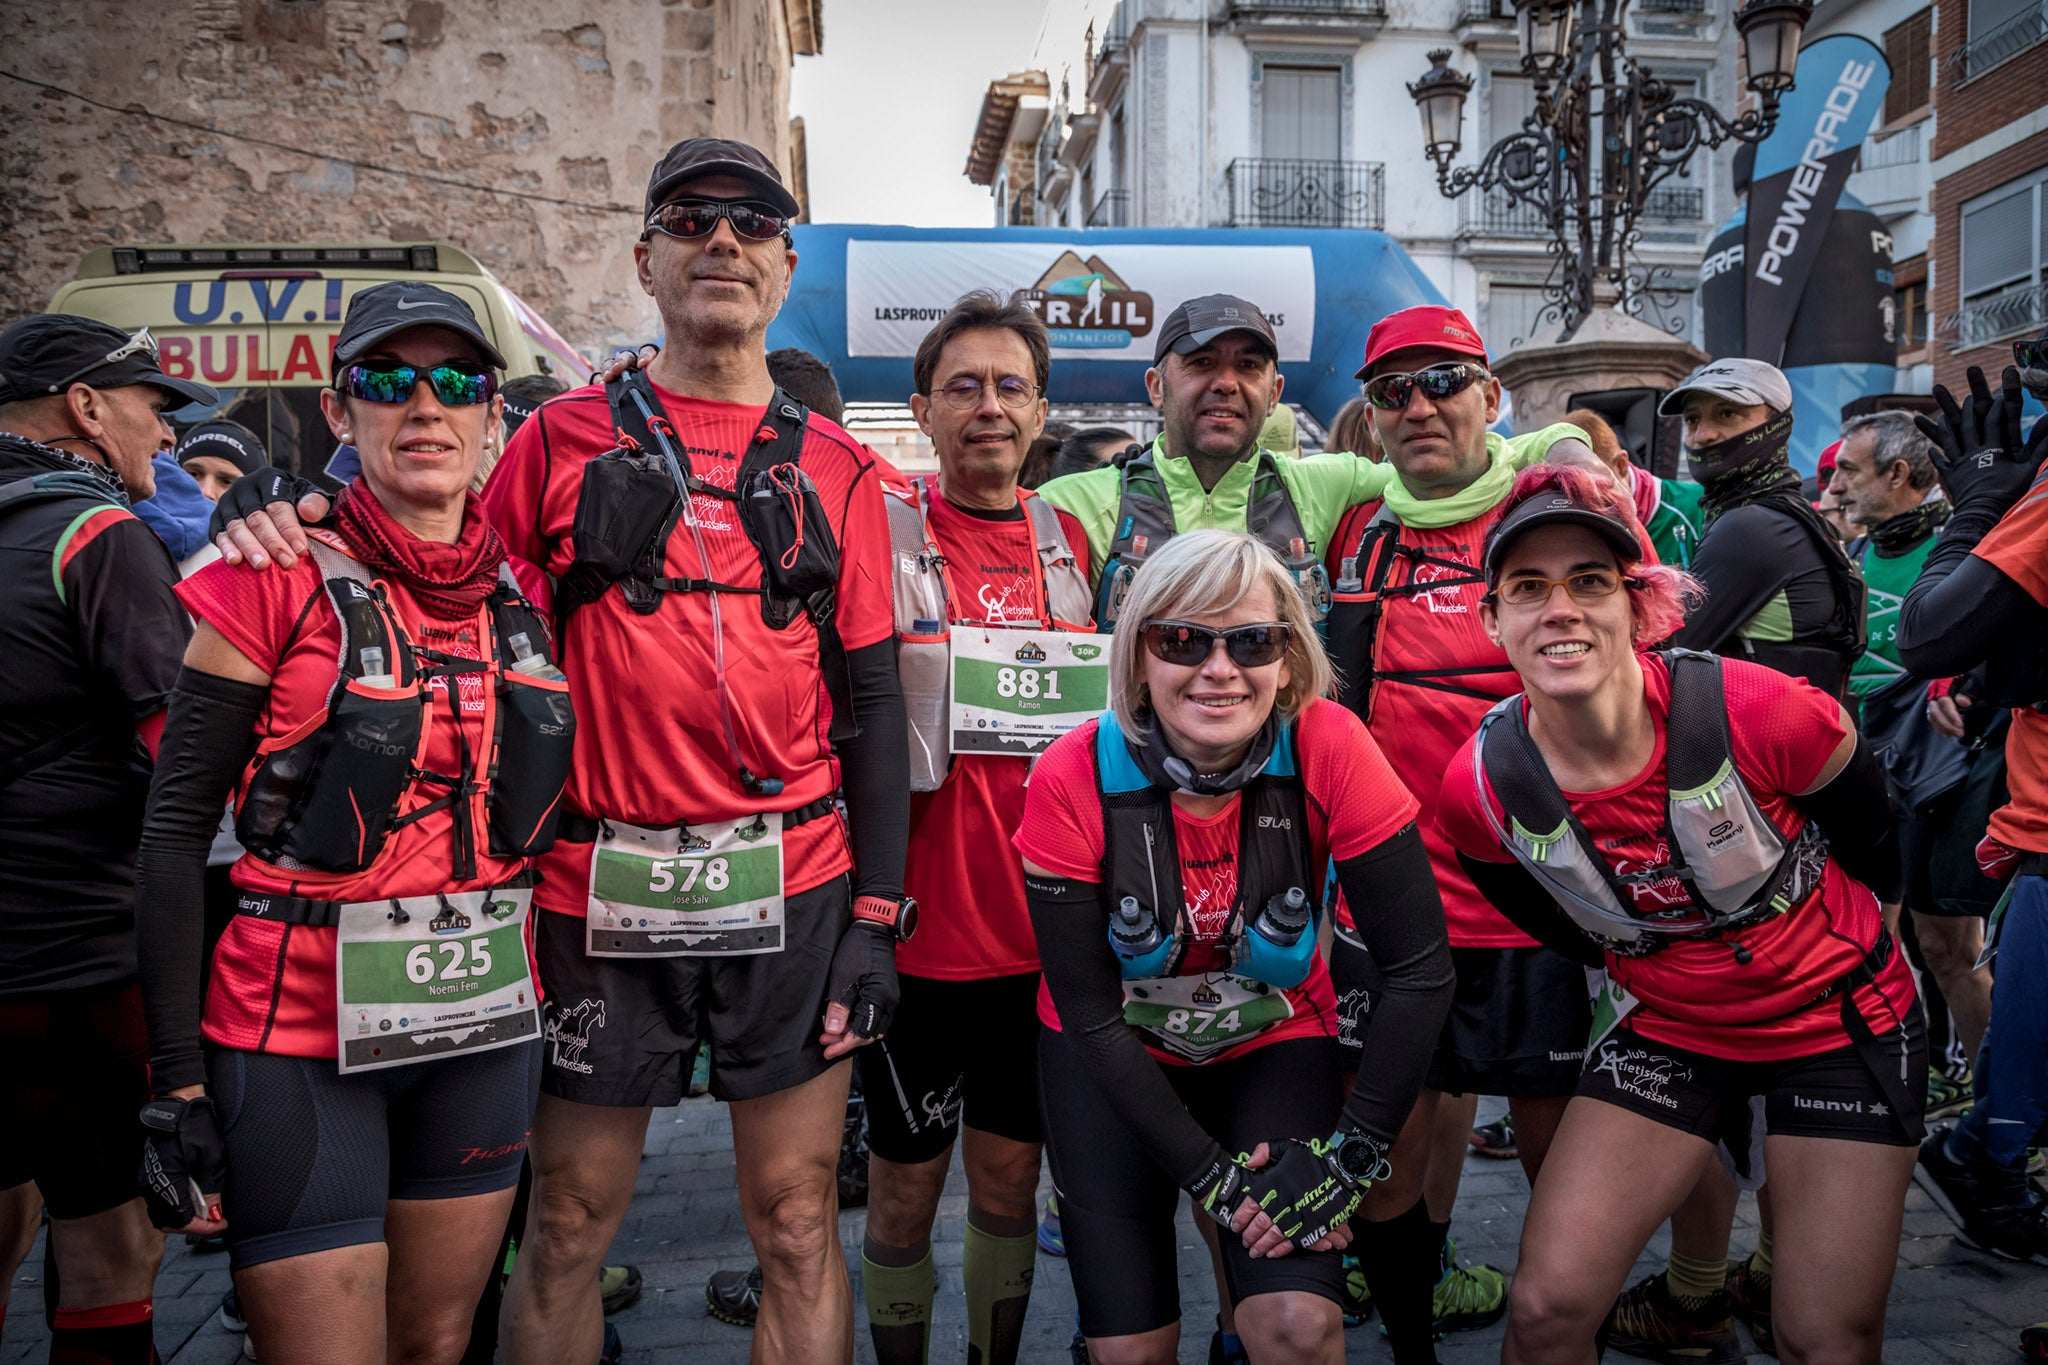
1827	503
1669	509
1090	448
807	379
216	453
1352	431
1280	434
1038	462
523	396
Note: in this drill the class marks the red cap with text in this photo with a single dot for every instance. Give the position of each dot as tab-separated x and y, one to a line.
1428	324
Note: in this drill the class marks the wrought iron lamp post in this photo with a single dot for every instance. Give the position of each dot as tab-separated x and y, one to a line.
1606	132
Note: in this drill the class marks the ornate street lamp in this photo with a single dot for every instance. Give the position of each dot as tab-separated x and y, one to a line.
1605	134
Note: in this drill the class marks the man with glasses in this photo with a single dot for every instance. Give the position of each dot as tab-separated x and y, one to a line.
1416	665
92	635
706	888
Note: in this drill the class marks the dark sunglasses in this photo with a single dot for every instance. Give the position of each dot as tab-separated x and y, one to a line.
2030	355
687	219
1437	383
454	383
1189	646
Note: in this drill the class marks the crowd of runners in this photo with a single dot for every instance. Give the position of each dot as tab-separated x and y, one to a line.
1210	827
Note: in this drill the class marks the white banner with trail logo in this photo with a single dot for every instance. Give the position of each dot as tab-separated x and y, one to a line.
1101	301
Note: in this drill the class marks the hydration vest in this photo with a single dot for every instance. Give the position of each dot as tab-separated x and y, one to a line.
924	603
1737	870
1144	521
1358	614
327	796
1141	856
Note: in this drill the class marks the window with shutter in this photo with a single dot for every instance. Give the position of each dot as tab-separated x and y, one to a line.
1908	49
2000	245
1301	113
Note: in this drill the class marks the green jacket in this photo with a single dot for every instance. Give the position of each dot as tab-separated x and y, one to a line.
1675	526
1323	487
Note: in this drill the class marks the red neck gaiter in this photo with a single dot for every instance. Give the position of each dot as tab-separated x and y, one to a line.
449	581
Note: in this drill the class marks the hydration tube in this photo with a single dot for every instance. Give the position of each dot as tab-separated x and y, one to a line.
658	425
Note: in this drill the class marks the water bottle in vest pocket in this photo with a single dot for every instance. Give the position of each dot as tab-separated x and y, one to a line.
785	518
1279	946
627	501
536	738
325	796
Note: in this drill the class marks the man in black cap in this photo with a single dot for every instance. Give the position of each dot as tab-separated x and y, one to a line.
709	722
92	637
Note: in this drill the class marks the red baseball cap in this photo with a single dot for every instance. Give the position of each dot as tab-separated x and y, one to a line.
1428	324
1825	470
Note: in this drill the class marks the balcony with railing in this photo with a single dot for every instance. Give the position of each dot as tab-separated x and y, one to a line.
1360	18
1671	6
1996	45
1112	210
1486	11
1274	192
1674	204
1496	213
2023	308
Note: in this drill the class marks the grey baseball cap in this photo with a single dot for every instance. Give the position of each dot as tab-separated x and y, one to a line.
1200	321
1738	379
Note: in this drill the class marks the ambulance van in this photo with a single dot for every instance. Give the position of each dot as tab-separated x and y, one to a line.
258	323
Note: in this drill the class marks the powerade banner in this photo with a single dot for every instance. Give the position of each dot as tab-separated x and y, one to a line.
1800	170
1843	341
864	296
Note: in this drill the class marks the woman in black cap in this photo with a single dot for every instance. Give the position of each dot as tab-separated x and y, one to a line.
395	734
1662	816
217	452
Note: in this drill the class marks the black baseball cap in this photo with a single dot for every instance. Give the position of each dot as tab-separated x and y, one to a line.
230	441
1554	506
1200	321
385	310
47	353
698	158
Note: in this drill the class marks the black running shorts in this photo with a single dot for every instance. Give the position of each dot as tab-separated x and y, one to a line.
959	1052
75	1080
313	1155
1518	1025
1119	1211
1829	1095
623	1031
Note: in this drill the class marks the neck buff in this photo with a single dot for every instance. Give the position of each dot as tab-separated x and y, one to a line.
1166	768
1748	467
1896	535
450	581
1482	495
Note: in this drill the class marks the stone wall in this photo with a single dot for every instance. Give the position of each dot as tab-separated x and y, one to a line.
560	102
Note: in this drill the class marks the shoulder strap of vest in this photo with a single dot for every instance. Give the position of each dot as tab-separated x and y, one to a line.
916	553
787	418
28	491
1116	771
1274	847
1144	508
1066	578
1271	515
365	620
1698	748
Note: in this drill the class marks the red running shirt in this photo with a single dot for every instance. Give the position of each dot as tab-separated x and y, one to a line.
1355	803
972	921
2015	548
1420	728
272	987
1694	994
650	745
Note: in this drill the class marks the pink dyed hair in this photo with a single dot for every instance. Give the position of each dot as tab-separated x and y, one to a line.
1658	594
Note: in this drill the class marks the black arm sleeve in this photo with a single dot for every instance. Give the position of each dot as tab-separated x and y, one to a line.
871	770
1962	610
207	738
1399	918
1856	813
1073	945
1513	891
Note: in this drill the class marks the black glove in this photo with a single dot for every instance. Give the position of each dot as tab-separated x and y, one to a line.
863	979
1304	1193
254	492
184	1160
1984	465
1222	1187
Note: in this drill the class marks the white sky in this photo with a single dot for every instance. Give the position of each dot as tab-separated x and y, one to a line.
889	107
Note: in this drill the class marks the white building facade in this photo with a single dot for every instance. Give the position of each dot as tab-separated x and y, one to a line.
1296	113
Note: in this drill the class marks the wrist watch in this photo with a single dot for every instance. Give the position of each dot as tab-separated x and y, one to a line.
1359	1158
898	917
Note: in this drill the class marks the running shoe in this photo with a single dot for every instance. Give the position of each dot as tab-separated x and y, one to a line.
1357	1293
1650	1323
231	1313
2034	1343
1219	1356
619	1286
1467	1298
734	1296
1947	1097
1994	1211
700	1072
1496	1139
1050	1240
614	1350
1749	1301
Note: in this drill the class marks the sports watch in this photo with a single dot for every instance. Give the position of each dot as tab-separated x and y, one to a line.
1358	1157
898	917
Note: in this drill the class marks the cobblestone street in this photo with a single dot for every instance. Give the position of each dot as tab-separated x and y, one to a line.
1948	1304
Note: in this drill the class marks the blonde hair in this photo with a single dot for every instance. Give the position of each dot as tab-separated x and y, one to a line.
1197	574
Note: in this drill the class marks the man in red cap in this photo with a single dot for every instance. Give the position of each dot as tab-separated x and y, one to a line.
1404	633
